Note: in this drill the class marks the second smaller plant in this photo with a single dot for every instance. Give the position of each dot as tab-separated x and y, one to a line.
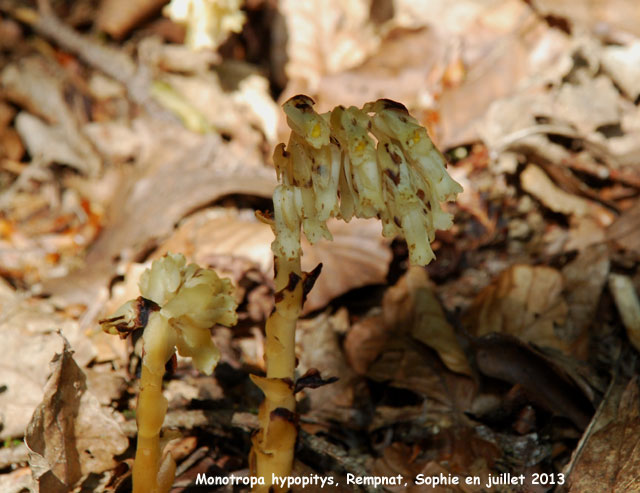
179	304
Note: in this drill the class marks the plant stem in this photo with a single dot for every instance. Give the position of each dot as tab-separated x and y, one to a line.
150	473
274	443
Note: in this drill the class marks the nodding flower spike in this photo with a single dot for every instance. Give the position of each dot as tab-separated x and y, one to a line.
371	162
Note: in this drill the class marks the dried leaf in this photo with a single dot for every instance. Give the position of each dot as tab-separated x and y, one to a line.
176	172
32	83
592	103
537	183
412	306
50	144
623	64
326	37
599	16
610	453
118	17
27	328
365	341
70	435
357	256
514	52
406	365
523	301
459	452
504	357
584	279
321	350
624	231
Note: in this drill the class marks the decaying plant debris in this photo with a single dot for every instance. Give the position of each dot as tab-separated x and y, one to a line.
515	352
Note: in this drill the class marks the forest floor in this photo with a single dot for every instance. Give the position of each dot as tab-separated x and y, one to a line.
514	352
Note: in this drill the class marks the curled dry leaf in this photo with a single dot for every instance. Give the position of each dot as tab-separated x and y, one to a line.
406	365
28	335
411	305
34	85
537	183
525	302
70	435
610	452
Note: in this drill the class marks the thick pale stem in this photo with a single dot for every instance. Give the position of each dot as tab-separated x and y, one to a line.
281	326
274	443
152	407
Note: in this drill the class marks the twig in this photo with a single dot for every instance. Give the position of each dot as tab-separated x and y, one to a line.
13	455
113	62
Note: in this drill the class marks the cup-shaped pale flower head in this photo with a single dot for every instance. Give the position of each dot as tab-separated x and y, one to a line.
371	162
188	301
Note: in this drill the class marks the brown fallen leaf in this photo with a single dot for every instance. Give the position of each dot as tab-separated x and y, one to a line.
584	232
537	183
623	63
326	37
411	306
407	365
39	86
457	452
358	255
524	301
584	280
506	358
176	172
117	17
617	16
609	456
365	341
321	350
70	435
514	52
624	231
27	329
589	104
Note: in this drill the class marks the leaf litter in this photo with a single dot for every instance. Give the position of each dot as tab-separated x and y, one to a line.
513	352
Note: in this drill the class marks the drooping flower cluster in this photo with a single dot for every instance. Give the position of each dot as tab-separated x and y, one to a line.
187	301
371	162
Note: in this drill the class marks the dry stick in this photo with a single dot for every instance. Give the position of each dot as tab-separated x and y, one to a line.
107	59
